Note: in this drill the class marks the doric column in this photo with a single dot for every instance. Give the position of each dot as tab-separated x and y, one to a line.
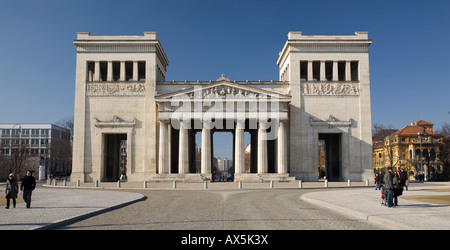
122	71
262	147
282	149
183	157
309	77
206	148
335	71
239	147
322	71
163	148
135	71
109	74
96	71
348	76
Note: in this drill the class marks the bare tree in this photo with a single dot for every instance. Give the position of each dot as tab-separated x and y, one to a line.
62	148
445	129
67	123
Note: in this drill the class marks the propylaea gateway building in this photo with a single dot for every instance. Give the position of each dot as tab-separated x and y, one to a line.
130	120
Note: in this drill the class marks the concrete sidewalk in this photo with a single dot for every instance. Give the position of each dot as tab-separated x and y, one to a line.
51	207
365	203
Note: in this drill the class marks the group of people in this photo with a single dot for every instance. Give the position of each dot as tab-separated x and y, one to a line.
392	185
27	186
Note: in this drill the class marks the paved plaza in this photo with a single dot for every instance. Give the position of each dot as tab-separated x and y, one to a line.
222	206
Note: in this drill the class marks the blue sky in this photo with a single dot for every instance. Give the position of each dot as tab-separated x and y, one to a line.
409	57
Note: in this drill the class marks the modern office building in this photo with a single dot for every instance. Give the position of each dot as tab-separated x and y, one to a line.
35	143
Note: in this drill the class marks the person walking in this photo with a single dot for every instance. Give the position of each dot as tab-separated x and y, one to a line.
397	189
403	178
389	187
377	182
28	185
11	190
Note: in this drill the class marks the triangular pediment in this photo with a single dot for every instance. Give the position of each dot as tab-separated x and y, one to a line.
222	89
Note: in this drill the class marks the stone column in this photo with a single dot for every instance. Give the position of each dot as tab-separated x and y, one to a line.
239	147
348	75
262	147
322	71
206	148
282	149
97	71
310	76
335	71
122	71
183	157
163	148
109	74
135	71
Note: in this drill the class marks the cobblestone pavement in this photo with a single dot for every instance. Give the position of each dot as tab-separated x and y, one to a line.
252	209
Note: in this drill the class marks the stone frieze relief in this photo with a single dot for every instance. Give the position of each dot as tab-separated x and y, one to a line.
330	89
115	89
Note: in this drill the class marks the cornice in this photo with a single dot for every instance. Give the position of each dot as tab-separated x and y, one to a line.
122	46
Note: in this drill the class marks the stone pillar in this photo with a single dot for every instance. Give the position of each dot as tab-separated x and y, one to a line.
183	157
322	71
97	71
239	147
163	148
282	149
262	148
135	71
348	75
109	74
206	148
122	71
335	71
309	76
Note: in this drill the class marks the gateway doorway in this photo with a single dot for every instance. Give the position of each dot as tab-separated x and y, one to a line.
223	156
330	156
115	156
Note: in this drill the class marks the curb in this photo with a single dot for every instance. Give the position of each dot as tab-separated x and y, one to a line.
354	213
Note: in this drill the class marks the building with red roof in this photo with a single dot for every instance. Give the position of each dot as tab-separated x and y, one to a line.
415	148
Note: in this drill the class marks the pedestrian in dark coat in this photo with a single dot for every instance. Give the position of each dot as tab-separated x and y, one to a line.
11	190
389	186
403	178
28	185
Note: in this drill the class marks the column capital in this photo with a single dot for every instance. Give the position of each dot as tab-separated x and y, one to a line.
240	123
207	124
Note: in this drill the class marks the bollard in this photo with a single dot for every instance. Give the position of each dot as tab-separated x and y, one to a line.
349	183
96	183
240	184
118	184
78	183
326	183
300	185
174	184
55	183
145	184
65	183
205	184
367	182
271	184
